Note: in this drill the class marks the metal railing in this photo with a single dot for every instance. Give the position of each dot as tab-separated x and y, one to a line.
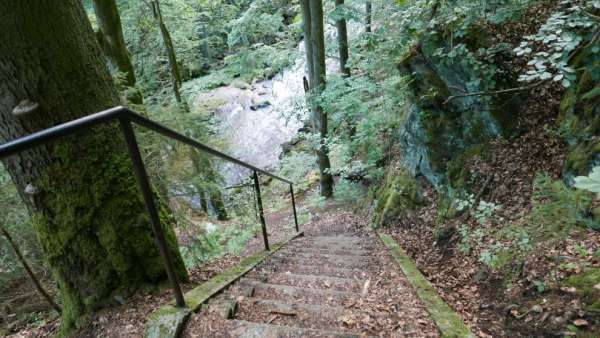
126	118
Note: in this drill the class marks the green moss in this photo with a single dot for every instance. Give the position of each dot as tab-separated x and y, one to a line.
585	282
166	322
399	194
581	156
93	227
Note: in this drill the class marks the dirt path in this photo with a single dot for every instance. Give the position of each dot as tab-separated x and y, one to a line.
336	281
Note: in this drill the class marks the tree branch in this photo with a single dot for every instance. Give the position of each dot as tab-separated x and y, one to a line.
495	92
34	279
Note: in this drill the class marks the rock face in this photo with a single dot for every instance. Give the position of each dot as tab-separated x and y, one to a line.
436	130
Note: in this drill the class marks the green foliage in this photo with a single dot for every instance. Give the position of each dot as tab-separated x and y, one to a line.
556	208
15	219
314	200
591	182
216	241
296	166
260	23
347	192
555	41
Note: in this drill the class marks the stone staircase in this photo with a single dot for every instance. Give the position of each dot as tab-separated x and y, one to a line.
304	290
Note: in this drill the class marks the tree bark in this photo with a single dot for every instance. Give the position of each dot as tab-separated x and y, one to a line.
82	195
306	25
112	42
368	13
319	83
342	35
168	42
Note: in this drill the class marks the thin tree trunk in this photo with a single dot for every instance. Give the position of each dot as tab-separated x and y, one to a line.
320	116
307	26
32	276
168	42
368	13
342	34
112	42
85	206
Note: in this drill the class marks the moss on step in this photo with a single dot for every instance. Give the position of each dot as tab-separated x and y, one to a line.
447	321
168	320
399	194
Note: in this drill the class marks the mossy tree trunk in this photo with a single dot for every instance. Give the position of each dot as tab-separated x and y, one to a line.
318	85
86	208
342	36
113	44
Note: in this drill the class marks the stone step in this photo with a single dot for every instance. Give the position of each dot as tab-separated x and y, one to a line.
308	316
321	270
245	329
335	245
327	251
344	264
326	257
304	295
315	281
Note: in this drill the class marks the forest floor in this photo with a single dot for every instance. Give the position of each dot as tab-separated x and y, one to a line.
535	301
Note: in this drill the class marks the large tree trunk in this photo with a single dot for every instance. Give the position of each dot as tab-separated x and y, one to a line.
342	34
168	42
368	13
112	42
318	85
86	208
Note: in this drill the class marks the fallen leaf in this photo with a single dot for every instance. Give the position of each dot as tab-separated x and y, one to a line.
580	322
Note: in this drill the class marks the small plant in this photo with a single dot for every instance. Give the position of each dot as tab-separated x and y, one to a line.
465	204
589	183
540	286
556	207
485	211
465	239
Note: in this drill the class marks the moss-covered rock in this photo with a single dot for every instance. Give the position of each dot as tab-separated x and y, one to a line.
399	194
579	117
437	130
166	322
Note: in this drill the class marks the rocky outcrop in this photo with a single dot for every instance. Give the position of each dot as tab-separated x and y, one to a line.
437	130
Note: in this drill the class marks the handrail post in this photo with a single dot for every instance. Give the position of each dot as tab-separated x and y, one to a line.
142	178
260	211
294	207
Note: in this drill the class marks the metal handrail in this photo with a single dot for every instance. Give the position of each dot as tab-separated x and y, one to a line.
126	117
